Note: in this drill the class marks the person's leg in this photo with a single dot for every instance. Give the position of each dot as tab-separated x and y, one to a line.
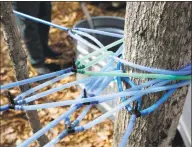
45	14
30	32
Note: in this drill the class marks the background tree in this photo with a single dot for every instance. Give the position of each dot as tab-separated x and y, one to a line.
19	58
157	34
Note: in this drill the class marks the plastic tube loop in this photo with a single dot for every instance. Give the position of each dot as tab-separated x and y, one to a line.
120	88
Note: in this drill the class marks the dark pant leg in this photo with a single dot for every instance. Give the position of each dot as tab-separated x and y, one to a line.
30	31
45	14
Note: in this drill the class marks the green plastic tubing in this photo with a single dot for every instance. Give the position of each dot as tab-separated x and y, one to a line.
136	75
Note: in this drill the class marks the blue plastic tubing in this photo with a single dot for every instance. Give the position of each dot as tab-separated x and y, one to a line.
86	109
149	83
63	116
144	112
47	127
6	107
122	105
52	124
128	131
61	135
65	28
45	93
107	67
34	89
40	20
128	90
26	81
89	37
65	132
130	125
37	96
34	79
119	84
85	42
95	83
155	83
100	32
67	119
74	123
103	82
157	104
109	64
152	82
104	98
21	96
152	70
103	85
130	83
82	115
57	139
131	122
120	88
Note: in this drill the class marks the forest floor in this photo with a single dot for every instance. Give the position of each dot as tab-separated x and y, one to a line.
14	126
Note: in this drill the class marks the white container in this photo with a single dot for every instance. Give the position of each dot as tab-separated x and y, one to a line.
185	123
103	23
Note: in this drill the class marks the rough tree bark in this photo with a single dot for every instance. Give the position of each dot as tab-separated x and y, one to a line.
157	34
19	59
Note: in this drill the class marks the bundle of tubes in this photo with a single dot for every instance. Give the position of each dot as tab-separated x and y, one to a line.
95	84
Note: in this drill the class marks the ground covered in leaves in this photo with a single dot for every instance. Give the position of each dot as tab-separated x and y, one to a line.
14	126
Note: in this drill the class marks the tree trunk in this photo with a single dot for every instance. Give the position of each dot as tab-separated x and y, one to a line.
19	58
157	34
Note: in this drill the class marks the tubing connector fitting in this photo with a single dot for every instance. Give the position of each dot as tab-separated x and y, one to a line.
11	106
11	100
90	103
81	66
21	102
74	67
80	71
71	130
